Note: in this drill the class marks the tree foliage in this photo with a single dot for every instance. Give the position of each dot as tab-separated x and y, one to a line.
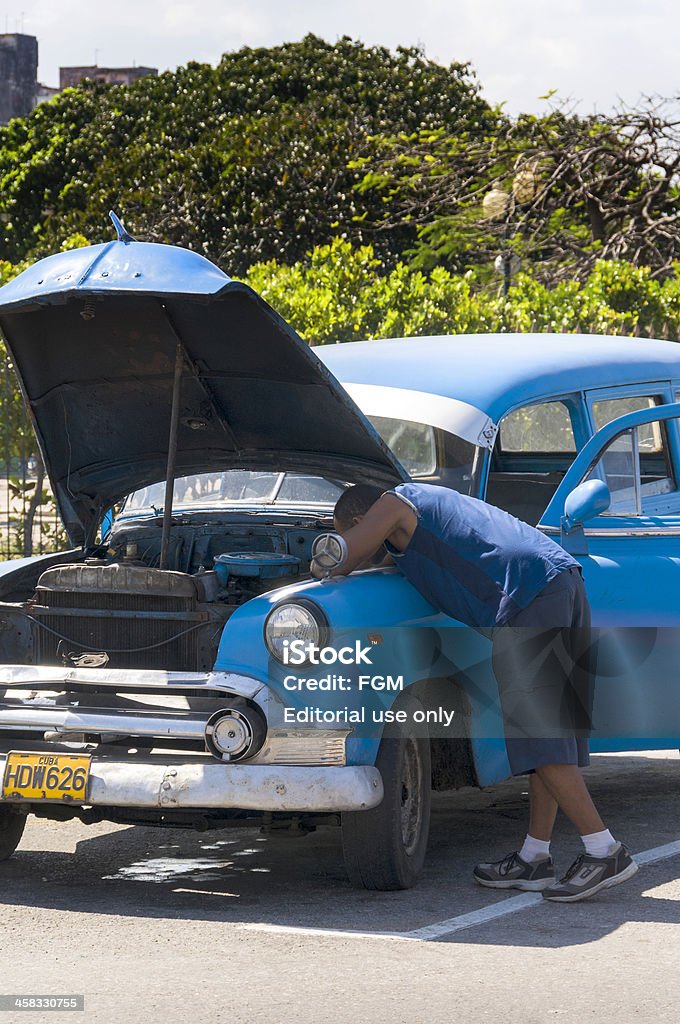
345	293
346	184
242	162
341	292
569	191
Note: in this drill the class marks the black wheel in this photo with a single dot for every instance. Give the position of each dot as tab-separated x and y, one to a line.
12	824
384	848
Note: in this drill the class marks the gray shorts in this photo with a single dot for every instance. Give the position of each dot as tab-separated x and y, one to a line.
543	663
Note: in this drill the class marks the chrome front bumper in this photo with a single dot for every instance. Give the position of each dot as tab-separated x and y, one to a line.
246	787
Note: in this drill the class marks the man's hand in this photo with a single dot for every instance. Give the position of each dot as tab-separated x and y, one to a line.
329	551
389	517
317	572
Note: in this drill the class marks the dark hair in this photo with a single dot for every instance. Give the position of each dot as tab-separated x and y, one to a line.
356	501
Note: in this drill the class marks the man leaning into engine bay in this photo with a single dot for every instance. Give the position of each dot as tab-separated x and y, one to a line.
490	571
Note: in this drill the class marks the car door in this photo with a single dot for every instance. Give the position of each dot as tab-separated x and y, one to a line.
618	512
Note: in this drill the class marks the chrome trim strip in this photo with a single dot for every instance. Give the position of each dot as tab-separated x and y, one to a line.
637	482
184	725
46	678
673	531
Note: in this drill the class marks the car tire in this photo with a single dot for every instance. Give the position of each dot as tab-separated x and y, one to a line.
12	824
384	848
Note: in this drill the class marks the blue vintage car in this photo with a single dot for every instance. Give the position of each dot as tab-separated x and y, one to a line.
196	447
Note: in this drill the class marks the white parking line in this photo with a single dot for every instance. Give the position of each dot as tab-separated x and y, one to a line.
335	933
658	853
450	925
456	924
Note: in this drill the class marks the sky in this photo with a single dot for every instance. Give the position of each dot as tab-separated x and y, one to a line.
593	52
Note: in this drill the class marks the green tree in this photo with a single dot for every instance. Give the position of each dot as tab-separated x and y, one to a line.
569	191
242	162
345	293
340	292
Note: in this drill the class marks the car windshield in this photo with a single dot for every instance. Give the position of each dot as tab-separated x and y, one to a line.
429	453
424	451
237	486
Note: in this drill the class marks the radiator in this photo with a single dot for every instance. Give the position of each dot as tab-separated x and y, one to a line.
140	617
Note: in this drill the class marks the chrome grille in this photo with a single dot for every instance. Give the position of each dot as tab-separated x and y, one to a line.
140	617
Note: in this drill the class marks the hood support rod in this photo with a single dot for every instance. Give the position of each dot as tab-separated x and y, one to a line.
172	455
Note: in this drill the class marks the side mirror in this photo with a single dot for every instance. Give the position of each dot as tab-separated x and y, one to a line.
589	499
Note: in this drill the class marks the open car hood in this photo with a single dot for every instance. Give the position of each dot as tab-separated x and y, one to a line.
93	334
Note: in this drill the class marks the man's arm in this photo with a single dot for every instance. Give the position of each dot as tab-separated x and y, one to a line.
387	516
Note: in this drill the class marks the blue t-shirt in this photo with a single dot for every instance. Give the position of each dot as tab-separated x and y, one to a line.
471	560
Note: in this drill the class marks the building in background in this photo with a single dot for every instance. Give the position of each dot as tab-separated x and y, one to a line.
45	92
18	75
20	90
114	76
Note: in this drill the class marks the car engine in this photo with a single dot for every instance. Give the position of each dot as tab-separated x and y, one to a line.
117	608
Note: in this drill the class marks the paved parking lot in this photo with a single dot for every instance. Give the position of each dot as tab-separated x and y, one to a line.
234	926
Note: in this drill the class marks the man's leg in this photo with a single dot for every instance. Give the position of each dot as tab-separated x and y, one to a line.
530	665
530	868
542	664
542	808
565	784
605	862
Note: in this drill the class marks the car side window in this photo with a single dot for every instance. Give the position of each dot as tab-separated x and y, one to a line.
534	448
537	428
636	467
608	409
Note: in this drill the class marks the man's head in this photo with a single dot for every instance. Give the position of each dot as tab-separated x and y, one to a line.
353	504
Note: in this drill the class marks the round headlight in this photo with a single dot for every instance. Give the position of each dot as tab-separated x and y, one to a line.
293	621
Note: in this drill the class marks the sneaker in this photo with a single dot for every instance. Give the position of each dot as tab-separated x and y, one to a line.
514	873
587	875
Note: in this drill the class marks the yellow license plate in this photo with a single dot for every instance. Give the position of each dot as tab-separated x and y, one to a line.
60	777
